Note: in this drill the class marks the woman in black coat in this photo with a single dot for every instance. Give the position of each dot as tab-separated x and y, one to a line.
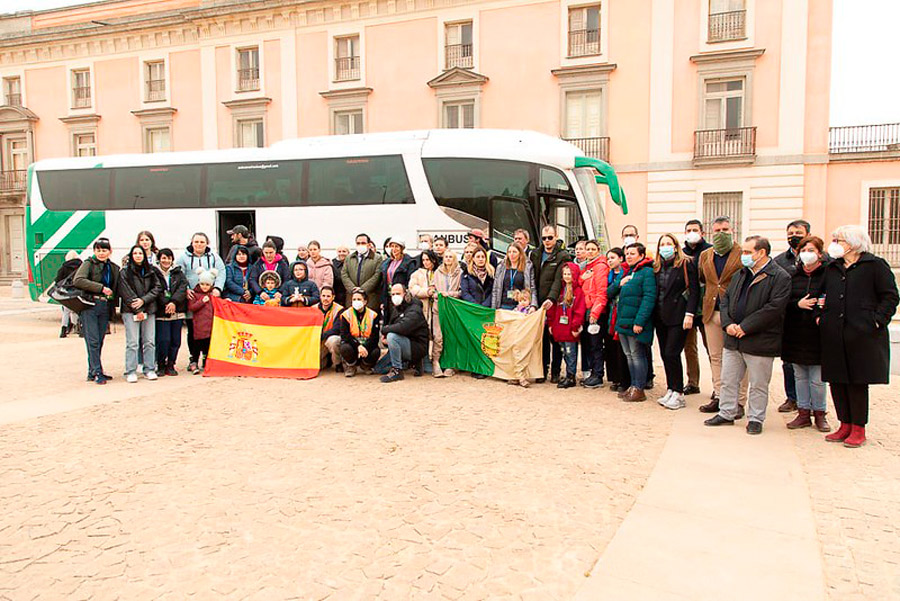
801	346
860	299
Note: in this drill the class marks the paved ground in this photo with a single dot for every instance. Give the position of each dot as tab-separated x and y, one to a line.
425	489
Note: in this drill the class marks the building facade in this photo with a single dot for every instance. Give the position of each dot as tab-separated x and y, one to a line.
704	107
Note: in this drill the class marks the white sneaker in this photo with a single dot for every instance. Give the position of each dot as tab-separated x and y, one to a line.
131	378
665	398
151	375
676	401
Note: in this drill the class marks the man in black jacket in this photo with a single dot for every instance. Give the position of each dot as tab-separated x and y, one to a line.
240	235
752	313
548	261
694	244
405	333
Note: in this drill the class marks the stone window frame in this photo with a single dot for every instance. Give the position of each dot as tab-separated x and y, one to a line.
350	99
143	62
246	110
726	65
748	41
236	48
156	118
80	125
453	17
345	30
603	56
70	87
581	79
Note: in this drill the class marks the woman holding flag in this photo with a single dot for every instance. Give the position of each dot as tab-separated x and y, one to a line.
515	273
447	280
421	283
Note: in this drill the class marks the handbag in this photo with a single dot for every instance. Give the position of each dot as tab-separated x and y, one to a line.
67	295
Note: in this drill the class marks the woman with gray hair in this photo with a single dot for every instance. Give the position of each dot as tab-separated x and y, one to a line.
858	299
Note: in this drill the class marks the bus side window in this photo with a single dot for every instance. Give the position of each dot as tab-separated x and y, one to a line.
508	215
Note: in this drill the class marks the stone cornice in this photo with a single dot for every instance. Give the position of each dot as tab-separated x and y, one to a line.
582	70
457	76
241	103
89	119
155	112
727	56
347	93
10	113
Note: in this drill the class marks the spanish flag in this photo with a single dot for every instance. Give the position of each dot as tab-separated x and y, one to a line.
264	342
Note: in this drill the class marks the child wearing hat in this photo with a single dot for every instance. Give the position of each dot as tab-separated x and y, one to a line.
201	307
269	283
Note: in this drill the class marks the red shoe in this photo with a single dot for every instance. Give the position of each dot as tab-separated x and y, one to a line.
857	437
841	433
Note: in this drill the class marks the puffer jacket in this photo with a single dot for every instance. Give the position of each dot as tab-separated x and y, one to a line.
139	284
636	300
66	269
189	262
306	287
175	291
572	315
257	269
475	291
236	282
203	314
549	271
320	272
408	320
594	279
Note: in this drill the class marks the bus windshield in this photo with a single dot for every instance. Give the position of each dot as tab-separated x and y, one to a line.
588	185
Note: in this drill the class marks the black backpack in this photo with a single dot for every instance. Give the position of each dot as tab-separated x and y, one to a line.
67	295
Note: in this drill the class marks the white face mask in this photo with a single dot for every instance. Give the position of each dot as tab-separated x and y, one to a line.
358	305
835	250
693	237
808	257
629	240
397	299
593	329
423	245
362	249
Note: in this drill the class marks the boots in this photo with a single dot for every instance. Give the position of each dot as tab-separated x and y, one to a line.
857	437
839	436
821	422
63	332
801	421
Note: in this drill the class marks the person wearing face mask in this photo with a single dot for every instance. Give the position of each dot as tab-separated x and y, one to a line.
677	299
614	359
331	329
789	260
405	333
337	266
801	347
752	313
361	270
717	267
396	268
694	244
425	242
360	328
629	235
860	298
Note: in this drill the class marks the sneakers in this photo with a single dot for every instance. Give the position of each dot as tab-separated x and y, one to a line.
448	373
665	398
691	389
675	401
349	371
131	378
566	382
592	382
170	371
151	375
392	376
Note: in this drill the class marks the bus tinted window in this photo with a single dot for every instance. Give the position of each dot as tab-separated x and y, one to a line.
75	189
358	181
157	187
466	184
260	184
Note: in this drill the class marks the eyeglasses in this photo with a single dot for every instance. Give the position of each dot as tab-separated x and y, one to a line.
545	238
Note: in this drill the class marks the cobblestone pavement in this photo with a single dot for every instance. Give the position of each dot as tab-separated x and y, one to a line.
327	489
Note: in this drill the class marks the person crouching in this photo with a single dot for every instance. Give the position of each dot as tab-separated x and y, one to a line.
331	329
360	328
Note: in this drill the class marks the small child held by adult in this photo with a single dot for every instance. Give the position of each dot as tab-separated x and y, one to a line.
201	306
523	298
269	282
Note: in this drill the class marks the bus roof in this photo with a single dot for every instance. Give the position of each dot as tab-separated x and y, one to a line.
520	145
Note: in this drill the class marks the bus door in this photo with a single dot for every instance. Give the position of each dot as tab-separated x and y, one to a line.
507	214
225	220
558	206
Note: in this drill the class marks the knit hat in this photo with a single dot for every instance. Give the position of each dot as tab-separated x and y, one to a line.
72	254
207	276
269	274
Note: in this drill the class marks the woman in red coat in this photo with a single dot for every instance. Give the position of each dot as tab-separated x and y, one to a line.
566	319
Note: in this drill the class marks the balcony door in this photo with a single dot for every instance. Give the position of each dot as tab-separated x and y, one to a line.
724	112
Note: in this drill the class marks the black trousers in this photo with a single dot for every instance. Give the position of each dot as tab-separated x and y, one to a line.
851	402
592	349
350	355
671	345
194	348
548	348
614	358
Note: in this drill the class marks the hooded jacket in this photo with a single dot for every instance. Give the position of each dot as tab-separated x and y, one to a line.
548	272
573	314
321	272
306	287
89	276
66	269
279	266
237	280
173	291
136	283
189	262
636	300
203	314
594	280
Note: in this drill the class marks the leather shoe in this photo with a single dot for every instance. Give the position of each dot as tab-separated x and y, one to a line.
718	420
788	406
754	427
691	390
649	385
740	413
710	407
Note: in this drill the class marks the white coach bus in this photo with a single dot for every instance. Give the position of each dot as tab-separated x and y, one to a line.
328	188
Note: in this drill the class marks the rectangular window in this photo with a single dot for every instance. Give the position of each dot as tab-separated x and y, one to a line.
81	88
459	114
584	31
348	122
17	154
247	69
84	144
154	81
884	223
458	45
156	139
727	20
12	91
264	184
723	106
583	114
723	204
357	181
346	58
250	133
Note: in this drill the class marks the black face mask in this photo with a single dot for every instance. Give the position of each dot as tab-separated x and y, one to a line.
794	241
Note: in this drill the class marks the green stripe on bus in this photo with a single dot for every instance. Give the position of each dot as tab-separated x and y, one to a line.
84	233
49	223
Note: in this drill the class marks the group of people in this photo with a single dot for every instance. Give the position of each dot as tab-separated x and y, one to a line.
380	311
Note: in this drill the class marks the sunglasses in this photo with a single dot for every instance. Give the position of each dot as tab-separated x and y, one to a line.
548	237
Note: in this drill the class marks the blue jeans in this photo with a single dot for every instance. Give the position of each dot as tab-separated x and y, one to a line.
810	388
93	324
139	334
790	382
399	350
168	341
636	353
570	355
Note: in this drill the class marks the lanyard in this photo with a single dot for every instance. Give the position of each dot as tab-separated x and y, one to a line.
512	277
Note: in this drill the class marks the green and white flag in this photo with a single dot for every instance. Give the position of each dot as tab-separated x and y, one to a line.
493	342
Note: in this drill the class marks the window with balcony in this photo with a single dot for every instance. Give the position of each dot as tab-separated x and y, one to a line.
15	164
884	223
727	20
724	135
458	45
247	69
584	122
346	58
459	115
348	122
250	133
12	91
723	204
157	139
81	88
584	31
84	144
154	81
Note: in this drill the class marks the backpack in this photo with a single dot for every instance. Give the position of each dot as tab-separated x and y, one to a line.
67	295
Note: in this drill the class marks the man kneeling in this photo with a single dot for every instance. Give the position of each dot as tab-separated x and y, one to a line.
331	329
405	333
